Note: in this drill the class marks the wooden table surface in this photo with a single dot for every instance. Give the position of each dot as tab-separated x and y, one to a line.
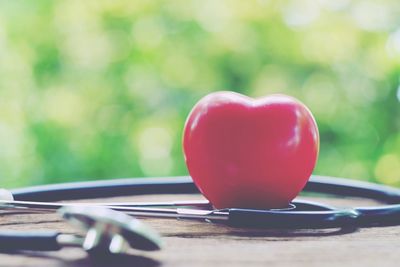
190	243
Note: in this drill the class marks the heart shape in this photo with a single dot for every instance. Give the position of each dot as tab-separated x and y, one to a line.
250	153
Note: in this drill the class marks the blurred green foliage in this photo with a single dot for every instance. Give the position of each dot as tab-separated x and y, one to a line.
101	89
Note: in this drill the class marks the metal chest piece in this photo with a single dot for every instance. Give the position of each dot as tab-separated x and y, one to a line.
110	231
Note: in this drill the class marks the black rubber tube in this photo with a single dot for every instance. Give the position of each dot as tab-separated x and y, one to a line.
184	185
21	240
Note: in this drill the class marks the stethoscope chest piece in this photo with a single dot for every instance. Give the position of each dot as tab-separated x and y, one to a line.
107	232
110	231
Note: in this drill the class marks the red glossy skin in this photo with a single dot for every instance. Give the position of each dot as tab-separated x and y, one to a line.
250	153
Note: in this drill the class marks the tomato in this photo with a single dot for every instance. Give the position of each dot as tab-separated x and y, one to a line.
250	153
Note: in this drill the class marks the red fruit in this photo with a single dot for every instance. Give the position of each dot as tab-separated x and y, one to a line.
250	153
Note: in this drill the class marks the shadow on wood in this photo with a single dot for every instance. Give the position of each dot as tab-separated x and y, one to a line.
120	260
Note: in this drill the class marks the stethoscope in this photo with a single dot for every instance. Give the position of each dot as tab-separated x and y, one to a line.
298	215
107	232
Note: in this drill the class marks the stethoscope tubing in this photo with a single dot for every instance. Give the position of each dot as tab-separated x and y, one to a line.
279	218
306	215
185	185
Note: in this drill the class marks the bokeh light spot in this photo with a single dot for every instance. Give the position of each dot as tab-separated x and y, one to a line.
387	170
154	144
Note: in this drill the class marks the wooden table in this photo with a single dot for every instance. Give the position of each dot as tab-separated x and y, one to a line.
189	243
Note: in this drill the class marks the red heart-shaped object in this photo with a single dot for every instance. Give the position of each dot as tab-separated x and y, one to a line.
250	153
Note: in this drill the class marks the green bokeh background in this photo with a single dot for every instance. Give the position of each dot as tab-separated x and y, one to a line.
101	89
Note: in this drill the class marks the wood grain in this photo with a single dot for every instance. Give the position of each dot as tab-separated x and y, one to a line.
191	243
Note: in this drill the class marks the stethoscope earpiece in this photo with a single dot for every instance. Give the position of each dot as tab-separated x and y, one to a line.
6	195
